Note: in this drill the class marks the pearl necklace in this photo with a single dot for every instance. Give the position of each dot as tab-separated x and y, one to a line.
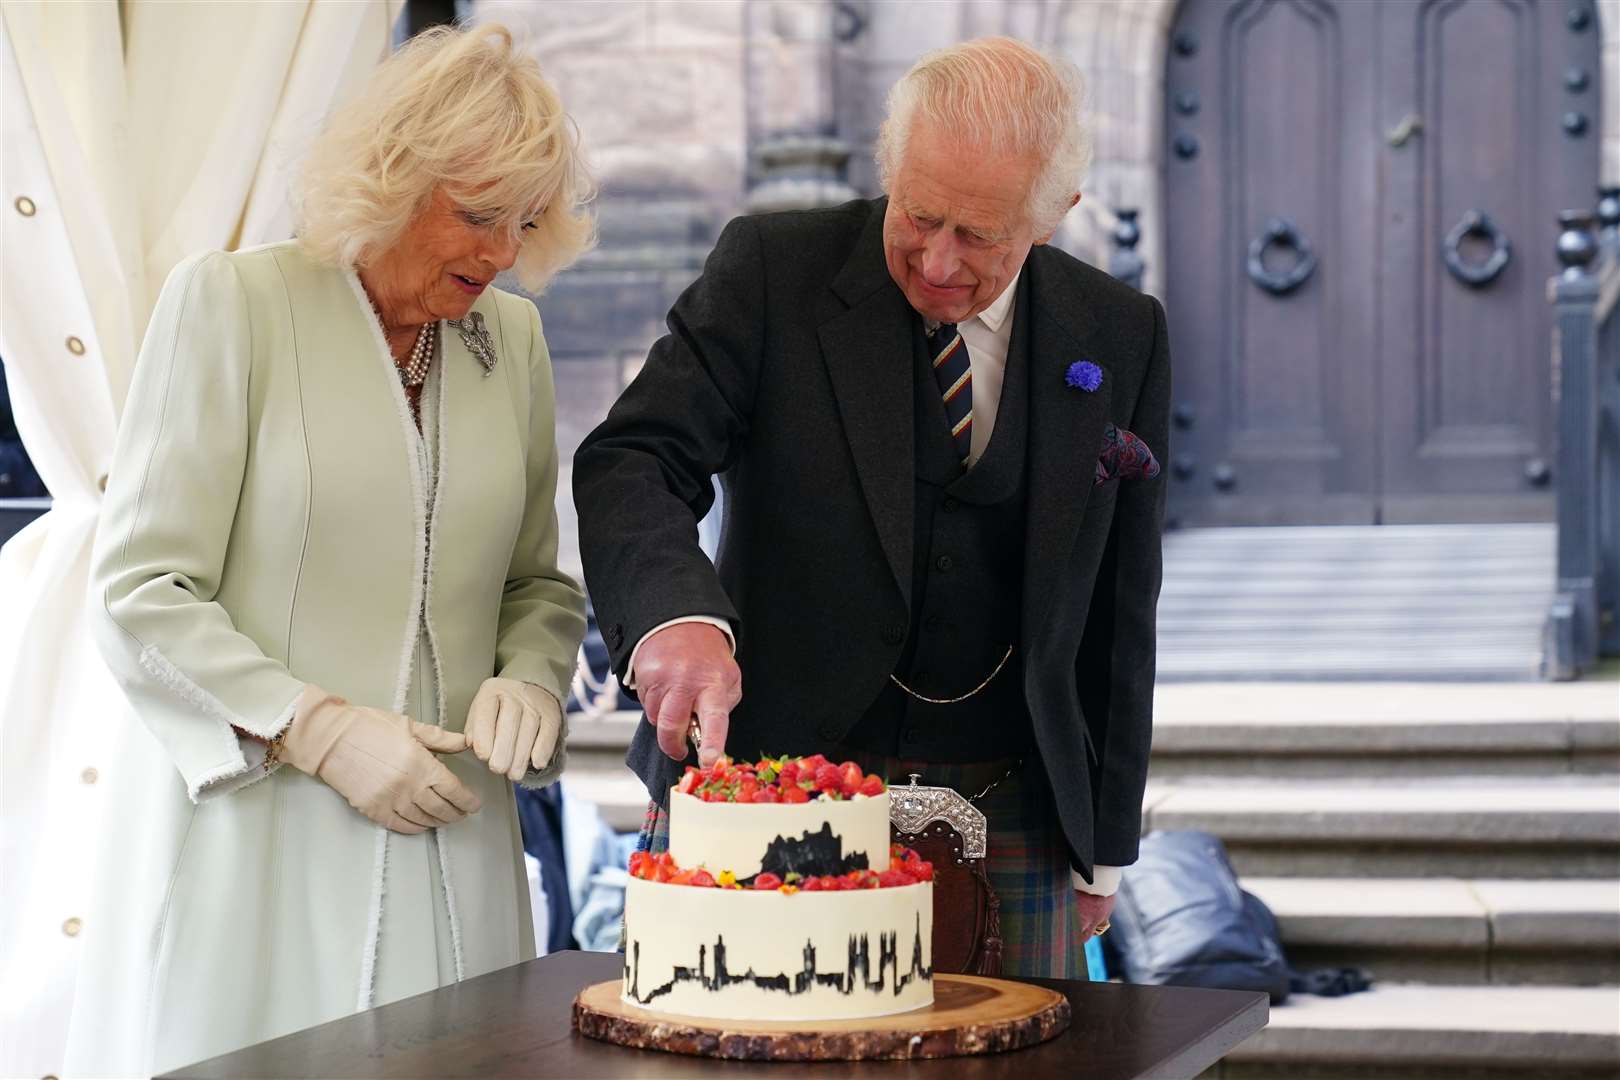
413	372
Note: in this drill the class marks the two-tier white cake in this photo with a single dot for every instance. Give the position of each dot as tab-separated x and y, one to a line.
779	910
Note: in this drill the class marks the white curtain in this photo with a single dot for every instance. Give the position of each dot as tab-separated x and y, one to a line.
134	134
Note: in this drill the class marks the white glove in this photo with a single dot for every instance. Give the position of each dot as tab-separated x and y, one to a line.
514	726
380	761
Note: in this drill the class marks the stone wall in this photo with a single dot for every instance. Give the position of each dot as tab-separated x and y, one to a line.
658	90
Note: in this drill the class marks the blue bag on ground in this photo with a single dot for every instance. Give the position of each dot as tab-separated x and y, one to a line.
1182	920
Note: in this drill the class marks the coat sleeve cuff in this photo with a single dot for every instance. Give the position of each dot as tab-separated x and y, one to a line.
222	753
246	767
1104	880
719	624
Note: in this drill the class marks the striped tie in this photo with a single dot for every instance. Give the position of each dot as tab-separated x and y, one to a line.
955	378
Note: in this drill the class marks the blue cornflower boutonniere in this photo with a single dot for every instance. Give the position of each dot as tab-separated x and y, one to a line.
1083	375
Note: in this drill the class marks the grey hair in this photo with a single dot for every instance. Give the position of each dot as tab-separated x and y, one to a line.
1001	95
462	108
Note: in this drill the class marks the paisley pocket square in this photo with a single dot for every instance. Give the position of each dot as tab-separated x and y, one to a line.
1124	456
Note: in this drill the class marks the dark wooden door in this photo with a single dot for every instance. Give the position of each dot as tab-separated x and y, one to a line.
1361	205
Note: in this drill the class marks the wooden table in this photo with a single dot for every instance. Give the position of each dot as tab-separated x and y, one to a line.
515	1022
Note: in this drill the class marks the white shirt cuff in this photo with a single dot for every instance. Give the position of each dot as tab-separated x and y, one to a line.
1104	880
719	624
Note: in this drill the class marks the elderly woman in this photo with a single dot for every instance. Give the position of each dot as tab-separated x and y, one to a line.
326	579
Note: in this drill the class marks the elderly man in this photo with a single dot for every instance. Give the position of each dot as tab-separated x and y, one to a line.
938	438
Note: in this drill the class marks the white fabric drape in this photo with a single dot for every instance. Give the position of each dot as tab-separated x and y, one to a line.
134	134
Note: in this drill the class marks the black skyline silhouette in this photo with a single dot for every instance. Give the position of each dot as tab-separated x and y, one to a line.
856	974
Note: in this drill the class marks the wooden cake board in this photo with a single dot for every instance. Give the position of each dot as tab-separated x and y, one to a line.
970	1015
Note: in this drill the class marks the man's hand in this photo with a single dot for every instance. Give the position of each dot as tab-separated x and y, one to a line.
686	670
1094	912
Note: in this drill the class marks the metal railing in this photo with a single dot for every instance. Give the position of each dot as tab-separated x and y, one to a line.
1584	621
1126	263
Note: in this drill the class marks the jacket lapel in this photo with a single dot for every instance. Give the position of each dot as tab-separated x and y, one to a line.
1065	437
867	349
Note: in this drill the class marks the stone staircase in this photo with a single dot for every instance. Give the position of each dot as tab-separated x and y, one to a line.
1461	842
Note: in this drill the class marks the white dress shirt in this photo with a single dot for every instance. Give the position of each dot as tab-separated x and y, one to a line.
988	336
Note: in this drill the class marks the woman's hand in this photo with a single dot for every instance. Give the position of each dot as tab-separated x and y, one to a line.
380	761
513	726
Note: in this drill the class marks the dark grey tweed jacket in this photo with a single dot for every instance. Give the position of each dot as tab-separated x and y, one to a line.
788	370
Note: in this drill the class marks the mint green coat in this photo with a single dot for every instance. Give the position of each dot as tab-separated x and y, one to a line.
266	525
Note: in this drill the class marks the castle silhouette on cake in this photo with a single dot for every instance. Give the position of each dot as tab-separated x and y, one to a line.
813	854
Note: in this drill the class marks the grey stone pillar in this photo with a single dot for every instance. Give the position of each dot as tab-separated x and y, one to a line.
795	160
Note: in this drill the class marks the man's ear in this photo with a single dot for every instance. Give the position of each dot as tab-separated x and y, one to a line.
1047	239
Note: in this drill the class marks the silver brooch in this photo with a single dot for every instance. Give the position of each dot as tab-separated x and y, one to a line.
475	335
913	807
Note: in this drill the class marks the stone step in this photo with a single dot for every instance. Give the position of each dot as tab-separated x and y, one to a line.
1443	930
1411	1031
1486	606
1389	574
1335	729
1379	603
1362	543
1472	827
1412	581
1372	660
617	793
1294	730
605	733
1280	624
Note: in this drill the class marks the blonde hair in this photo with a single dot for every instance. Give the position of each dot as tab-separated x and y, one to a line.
462	109
999	95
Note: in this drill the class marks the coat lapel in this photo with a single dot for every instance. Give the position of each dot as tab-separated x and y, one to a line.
481	448
1065	437
867	349
480	455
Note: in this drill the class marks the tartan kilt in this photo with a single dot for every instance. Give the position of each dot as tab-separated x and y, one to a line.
1026	859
